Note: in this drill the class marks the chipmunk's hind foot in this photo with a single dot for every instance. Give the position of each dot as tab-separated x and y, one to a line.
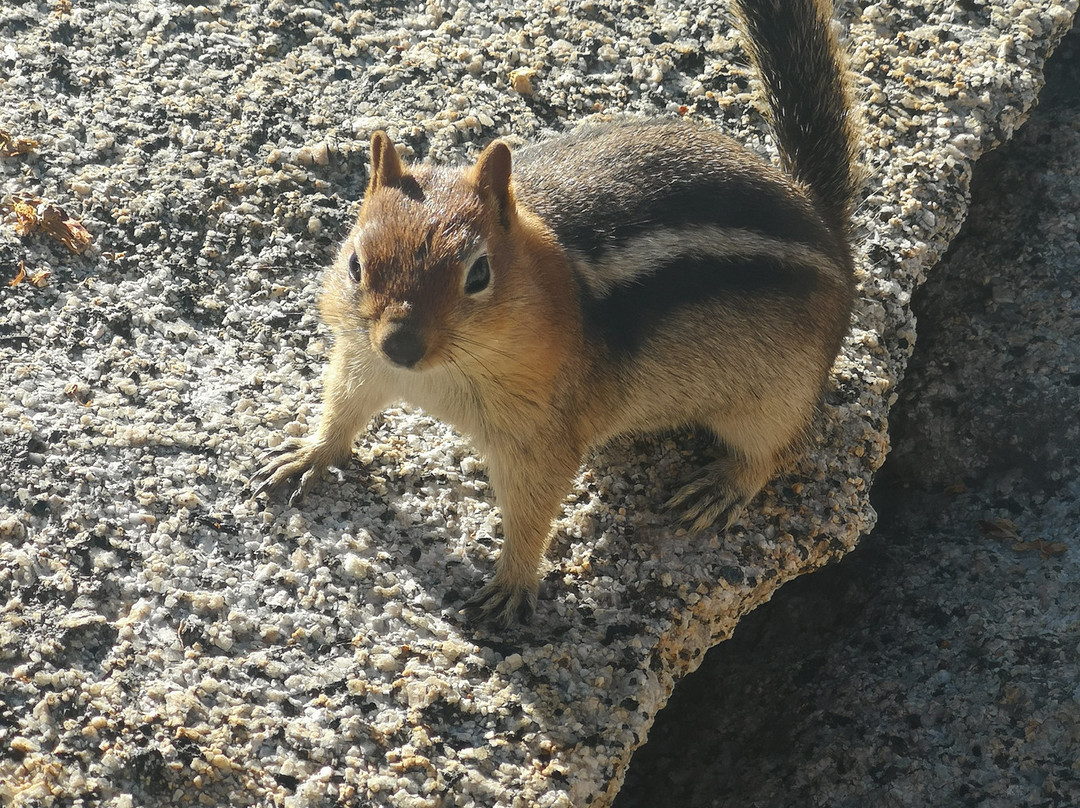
707	498
718	493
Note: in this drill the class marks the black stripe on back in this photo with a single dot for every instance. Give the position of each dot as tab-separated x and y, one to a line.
759	208
628	313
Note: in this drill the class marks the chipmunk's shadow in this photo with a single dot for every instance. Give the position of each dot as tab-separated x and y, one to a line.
621	495
433	516
617	505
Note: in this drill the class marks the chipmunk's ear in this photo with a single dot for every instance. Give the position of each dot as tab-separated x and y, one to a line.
386	167
492	174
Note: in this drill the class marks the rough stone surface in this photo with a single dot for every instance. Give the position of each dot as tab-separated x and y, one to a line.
939	663
165	640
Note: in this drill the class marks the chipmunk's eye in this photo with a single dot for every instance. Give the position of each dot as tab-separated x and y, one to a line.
355	270
479	276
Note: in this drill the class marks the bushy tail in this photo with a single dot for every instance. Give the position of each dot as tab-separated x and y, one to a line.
805	77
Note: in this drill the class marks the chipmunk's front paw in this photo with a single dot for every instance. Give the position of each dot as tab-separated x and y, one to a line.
295	465
502	604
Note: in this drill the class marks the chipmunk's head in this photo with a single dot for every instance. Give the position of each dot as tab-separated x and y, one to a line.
425	268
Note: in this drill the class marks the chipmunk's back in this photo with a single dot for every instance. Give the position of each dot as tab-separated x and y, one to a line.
601	185
661	215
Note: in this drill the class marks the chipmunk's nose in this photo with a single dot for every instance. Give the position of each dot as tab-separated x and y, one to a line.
403	344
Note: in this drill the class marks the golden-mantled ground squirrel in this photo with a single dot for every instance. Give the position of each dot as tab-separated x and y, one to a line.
632	276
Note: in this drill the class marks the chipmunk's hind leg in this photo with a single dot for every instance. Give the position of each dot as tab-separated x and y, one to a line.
750	455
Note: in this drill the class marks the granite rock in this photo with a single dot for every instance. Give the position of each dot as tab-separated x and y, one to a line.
166	640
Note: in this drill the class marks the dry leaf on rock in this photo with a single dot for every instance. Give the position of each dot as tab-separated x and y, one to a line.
69	231
19	278
33	213
1044	548
11	146
26	215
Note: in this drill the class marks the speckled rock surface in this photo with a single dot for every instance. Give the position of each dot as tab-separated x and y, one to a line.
939	663
163	639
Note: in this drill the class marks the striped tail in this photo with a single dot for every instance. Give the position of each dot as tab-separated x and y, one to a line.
792	45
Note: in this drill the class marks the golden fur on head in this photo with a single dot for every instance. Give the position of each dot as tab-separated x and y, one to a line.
417	233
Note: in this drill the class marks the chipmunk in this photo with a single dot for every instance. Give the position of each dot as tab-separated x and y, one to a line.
627	277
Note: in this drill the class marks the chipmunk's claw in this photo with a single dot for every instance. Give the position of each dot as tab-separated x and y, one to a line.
502	605
294	464
708	498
